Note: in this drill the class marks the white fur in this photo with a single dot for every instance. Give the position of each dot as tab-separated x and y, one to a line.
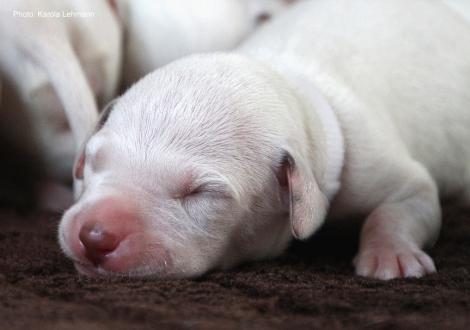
461	7
58	67
363	105
160	31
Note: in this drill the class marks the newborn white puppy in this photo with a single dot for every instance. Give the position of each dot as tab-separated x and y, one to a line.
160	31
338	109
60	56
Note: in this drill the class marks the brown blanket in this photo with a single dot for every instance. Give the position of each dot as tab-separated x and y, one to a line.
312	286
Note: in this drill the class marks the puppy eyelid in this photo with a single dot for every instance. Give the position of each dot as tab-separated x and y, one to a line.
210	189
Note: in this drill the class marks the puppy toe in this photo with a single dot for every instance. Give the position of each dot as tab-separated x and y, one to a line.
388	267
365	265
426	262
410	266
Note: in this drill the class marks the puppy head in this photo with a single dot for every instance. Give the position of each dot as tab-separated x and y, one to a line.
196	167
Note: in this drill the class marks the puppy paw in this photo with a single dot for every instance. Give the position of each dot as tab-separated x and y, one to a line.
387	263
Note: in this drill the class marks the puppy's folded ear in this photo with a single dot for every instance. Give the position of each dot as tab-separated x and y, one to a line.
79	166
308	205
78	174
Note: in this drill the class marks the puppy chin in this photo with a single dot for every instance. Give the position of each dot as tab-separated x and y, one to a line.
100	272
89	270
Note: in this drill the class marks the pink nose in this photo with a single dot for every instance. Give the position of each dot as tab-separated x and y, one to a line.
97	242
106	229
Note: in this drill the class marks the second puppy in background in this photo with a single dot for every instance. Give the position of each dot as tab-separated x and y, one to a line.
56	68
158	32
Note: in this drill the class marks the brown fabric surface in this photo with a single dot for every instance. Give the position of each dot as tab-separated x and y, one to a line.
312	286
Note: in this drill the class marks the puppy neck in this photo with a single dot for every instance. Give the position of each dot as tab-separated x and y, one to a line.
316	101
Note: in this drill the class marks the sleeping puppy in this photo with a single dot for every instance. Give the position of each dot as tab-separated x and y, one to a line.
160	31
336	109
58	65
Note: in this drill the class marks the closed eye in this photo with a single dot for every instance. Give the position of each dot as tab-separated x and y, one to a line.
209	190
206	190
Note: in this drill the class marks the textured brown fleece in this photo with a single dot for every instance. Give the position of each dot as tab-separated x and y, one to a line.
312	286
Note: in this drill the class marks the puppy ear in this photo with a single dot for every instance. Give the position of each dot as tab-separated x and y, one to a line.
79	165
78	168
307	203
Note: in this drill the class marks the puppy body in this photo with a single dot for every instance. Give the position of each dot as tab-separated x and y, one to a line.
57	66
158	32
237	153
402	82
400	94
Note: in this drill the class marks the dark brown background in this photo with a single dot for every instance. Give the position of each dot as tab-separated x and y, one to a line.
312	286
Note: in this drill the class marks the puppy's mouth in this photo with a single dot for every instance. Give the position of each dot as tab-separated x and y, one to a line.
90	270
98	271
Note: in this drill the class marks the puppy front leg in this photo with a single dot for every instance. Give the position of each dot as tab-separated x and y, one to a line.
395	233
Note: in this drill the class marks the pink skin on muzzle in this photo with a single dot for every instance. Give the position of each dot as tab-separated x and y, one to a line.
109	237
